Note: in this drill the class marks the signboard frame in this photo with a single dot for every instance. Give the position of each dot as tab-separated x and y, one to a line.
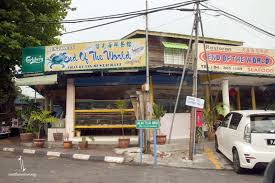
101	55
237	60
147	124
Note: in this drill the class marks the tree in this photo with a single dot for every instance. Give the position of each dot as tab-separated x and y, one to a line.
25	23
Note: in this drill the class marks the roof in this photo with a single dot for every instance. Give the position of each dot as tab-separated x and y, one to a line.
182	36
251	112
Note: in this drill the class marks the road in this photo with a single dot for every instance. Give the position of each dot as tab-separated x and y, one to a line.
55	170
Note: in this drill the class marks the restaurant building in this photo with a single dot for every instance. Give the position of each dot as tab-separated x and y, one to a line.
85	81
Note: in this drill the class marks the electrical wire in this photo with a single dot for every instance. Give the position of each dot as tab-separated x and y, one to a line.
121	15
240	20
87	28
136	15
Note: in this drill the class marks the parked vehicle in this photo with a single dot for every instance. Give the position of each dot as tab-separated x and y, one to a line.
247	138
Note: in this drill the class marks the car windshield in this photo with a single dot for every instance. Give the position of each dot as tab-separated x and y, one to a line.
264	123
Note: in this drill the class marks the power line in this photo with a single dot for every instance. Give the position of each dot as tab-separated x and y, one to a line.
100	25
122	15
138	14
240	20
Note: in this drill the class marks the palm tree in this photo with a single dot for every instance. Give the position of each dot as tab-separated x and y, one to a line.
40	118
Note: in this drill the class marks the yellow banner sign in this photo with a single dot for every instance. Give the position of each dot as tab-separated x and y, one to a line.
235	59
119	54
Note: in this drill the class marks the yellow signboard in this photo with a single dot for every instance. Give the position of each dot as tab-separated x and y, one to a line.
119	54
235	59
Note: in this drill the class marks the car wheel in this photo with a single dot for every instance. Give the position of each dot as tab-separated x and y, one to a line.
217	145
236	162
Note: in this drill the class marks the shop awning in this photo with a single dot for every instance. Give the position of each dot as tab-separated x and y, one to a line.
174	45
37	80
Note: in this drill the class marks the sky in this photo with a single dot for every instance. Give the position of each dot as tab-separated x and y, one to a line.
259	13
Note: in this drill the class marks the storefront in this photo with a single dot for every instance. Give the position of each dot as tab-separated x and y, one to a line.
85	81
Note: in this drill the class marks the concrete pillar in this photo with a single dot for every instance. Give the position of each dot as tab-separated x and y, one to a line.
70	107
238	99
253	98
225	96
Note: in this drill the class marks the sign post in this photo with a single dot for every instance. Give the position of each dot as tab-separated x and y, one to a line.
140	145
155	146
148	124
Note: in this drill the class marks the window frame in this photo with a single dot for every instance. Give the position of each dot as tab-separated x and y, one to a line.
171	52
232	117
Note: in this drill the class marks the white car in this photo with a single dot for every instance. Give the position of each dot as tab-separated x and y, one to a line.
247	138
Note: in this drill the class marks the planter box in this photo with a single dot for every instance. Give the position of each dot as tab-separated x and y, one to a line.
51	131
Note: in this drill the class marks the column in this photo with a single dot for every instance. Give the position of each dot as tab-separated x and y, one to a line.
238	99
70	107
253	98
225	96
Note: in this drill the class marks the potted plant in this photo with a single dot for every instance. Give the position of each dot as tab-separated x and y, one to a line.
210	117
159	112
68	144
123	142
84	143
58	136
38	120
27	133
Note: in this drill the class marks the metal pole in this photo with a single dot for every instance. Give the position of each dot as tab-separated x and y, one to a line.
207	69
194	92
147	88
155	146
147	49
140	146
181	80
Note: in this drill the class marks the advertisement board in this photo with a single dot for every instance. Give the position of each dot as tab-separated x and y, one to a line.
33	60
118	54
235	59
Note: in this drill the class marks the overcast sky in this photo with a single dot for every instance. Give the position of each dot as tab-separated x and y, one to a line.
260	13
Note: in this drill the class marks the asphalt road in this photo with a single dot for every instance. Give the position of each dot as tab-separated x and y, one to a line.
54	170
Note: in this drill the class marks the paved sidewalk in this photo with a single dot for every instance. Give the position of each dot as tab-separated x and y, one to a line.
176	155
173	155
94	152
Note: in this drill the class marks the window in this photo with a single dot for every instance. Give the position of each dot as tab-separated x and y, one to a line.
262	123
173	56
174	53
226	120
235	120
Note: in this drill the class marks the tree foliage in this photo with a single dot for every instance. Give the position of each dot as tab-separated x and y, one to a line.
25	23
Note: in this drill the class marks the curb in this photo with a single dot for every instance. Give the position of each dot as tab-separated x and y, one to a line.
75	156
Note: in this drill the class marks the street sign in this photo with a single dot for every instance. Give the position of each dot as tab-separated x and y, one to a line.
194	102
145	124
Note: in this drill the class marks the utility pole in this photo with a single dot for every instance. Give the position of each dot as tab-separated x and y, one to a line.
195	83
147	88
